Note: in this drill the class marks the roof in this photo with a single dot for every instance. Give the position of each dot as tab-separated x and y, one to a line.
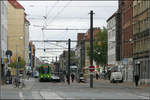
112	16
26	20
16	4
25	14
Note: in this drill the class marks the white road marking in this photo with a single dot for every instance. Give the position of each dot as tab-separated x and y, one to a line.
144	97
36	95
21	95
50	95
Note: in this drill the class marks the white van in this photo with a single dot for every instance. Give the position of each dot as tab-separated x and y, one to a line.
116	77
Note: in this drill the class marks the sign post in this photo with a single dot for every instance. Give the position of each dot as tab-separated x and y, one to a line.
91	68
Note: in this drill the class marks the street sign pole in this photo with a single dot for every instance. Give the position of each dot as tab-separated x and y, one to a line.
91	47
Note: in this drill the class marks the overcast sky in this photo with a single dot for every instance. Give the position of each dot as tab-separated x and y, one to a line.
64	14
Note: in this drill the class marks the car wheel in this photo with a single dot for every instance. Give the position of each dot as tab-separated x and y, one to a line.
110	81
113	81
121	81
40	80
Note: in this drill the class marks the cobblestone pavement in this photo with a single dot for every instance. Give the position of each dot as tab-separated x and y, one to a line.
131	85
56	90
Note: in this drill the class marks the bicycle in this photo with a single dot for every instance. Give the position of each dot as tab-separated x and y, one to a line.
18	83
22	84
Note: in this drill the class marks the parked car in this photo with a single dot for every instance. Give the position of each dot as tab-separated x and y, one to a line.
55	78
81	78
116	77
36	74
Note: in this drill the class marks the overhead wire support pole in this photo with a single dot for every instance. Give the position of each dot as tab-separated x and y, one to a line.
69	42
0	55
91	47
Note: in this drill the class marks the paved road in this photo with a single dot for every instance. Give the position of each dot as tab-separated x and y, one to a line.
51	90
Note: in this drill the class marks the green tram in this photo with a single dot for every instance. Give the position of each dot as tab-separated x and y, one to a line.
45	73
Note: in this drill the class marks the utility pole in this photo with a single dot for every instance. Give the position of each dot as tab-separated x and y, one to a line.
81	57
91	47
56	59
0	52
69	42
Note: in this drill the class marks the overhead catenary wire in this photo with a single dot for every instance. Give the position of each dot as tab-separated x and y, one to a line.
34	18
75	6
41	41
52	8
64	29
59	12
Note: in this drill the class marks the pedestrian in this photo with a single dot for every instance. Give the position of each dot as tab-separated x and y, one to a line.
136	79
67	78
8	77
109	74
28	75
97	76
72	77
63	78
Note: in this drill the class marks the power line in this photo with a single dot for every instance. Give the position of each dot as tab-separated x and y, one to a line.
47	42
63	29
59	12
56	45
52	8
75	6
52	51
52	48
32	18
52	40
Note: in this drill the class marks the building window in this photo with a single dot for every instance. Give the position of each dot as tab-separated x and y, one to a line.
3	7
2	32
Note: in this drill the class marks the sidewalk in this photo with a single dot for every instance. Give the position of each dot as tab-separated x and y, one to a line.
28	84
125	84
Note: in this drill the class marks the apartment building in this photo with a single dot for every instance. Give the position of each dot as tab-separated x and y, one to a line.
141	36
126	11
80	51
26	30
111	26
17	30
3	35
87	44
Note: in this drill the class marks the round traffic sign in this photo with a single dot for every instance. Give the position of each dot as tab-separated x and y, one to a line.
91	68
9	52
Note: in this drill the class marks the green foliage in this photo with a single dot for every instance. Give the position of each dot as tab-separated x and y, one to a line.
21	64
100	51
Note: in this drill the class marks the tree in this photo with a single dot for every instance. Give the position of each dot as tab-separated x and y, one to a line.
21	63
100	47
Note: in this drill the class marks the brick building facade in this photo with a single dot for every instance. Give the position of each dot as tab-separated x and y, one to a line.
126	11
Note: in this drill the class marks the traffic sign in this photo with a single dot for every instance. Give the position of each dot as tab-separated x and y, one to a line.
91	68
9	52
